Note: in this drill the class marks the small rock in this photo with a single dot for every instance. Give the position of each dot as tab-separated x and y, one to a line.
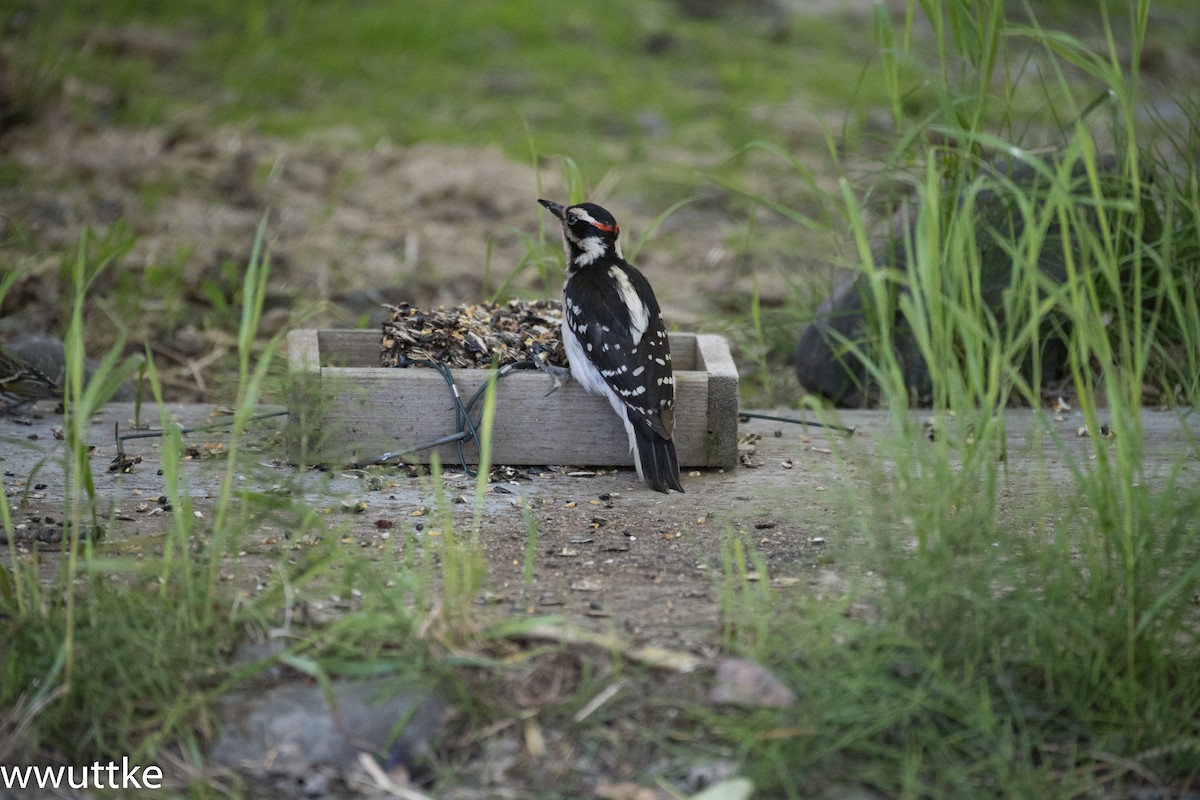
742	682
624	790
734	789
291	732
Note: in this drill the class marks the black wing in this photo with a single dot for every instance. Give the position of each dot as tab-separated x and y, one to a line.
598	310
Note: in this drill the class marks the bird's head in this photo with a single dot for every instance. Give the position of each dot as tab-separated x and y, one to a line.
589	232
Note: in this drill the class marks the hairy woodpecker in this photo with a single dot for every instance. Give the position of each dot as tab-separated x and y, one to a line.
615	339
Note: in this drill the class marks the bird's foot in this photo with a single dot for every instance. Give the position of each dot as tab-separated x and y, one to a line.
558	375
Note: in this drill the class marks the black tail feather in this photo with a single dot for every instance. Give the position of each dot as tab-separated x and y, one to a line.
656	461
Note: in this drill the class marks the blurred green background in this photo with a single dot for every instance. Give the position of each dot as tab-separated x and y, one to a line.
601	83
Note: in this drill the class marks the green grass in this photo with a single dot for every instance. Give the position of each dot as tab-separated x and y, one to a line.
1047	650
571	79
1043	650
123	654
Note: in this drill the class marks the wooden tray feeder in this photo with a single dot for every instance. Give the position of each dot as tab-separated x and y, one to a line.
367	410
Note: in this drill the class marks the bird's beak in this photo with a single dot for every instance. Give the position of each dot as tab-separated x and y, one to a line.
553	207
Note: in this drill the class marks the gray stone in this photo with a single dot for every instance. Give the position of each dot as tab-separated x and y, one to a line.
292	731
742	682
47	354
827	367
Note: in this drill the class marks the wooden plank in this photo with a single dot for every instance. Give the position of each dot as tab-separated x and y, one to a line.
713	359
371	410
304	350
373	413
341	348
683	351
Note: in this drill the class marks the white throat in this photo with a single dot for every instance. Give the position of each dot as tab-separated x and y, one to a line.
591	248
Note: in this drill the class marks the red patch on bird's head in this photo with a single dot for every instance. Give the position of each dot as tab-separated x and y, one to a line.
595	217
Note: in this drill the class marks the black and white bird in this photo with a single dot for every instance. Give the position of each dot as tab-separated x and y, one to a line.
615	339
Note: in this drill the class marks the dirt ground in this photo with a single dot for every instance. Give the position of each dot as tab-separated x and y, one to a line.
610	554
348	228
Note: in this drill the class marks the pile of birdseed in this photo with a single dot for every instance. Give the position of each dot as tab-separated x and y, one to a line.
469	336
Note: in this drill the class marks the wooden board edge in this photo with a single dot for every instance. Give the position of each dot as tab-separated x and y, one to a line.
304	350
712	355
714	360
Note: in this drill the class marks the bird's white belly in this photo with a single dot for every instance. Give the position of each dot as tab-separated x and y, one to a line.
588	376
582	369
